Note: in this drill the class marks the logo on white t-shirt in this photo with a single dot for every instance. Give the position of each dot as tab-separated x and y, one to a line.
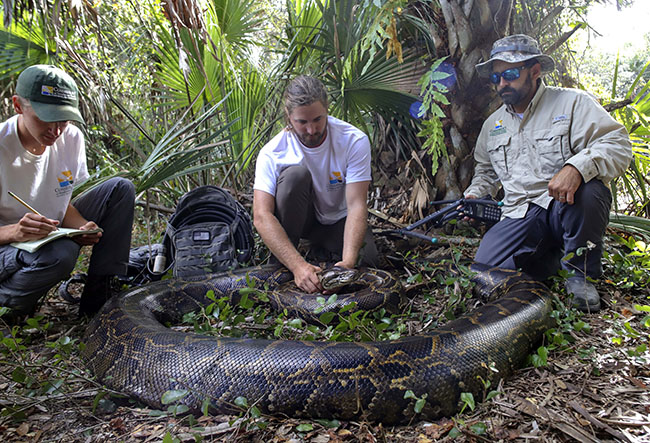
65	180
335	181
335	177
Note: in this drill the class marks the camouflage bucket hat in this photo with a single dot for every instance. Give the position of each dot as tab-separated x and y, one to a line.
514	49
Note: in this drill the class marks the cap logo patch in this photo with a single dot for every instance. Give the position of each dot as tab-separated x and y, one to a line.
53	91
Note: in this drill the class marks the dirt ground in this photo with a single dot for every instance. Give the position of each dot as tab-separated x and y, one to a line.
597	389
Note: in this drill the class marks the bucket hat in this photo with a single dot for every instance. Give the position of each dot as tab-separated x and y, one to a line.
52	93
514	49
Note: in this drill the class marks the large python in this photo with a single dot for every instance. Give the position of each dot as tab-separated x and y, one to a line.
129	350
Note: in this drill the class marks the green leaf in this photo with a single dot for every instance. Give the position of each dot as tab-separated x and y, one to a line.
409	394
329	424
468	399
19	375
542	351
419	405
97	398
173	396
326	317
295	323
479	428
205	407
305	427
178	409
642	308
348	307
241	402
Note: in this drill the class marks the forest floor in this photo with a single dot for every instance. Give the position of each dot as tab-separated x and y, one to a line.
596	388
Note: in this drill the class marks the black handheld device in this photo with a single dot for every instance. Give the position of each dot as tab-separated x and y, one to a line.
484	210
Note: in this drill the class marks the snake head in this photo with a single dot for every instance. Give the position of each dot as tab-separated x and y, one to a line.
336	277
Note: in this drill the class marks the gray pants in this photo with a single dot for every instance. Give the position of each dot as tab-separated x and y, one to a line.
537	242
25	277
294	209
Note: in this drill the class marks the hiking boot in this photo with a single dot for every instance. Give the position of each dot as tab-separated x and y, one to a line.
585	296
97	290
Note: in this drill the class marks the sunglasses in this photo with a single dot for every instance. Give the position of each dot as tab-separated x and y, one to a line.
508	75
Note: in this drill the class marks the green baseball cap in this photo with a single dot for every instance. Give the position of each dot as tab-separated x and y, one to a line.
52	93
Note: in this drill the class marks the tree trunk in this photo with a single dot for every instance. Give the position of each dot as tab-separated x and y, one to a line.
471	26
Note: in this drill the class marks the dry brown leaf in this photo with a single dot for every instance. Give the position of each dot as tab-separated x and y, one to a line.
436	431
22	429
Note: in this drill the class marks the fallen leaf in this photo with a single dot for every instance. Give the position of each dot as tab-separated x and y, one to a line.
22	429
627	312
436	431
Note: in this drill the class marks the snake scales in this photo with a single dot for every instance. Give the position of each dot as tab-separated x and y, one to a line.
129	350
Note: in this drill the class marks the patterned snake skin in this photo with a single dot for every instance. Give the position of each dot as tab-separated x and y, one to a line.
129	350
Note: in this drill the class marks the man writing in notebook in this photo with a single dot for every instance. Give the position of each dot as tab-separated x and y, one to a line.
42	157
554	151
311	181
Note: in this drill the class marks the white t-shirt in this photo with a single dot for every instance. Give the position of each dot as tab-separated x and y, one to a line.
44	181
344	157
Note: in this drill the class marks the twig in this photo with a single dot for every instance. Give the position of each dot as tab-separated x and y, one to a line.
613	106
597	423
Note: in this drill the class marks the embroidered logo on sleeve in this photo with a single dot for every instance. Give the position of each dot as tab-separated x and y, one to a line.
498	128
53	91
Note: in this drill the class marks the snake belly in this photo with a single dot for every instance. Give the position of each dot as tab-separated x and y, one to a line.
129	350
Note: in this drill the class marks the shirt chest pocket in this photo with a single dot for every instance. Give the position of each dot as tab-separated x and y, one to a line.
551	148
500	151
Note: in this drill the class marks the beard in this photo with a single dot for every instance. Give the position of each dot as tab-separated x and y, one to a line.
311	141
512	96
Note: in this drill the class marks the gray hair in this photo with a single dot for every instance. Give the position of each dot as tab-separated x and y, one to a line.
303	91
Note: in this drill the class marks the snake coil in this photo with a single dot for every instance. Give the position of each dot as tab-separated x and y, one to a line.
129	350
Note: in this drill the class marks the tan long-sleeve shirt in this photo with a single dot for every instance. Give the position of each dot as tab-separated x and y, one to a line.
559	127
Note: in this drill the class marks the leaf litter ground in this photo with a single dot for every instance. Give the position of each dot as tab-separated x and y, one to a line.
597	388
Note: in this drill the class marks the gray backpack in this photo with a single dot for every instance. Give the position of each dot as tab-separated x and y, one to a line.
209	232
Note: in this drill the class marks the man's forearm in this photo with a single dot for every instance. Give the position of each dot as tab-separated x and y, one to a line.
276	239
7	234
73	218
354	233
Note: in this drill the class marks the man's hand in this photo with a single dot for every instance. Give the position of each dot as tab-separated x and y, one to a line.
564	184
343	264
33	226
472	221
306	278
88	239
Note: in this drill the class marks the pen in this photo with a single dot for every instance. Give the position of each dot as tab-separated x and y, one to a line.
25	204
